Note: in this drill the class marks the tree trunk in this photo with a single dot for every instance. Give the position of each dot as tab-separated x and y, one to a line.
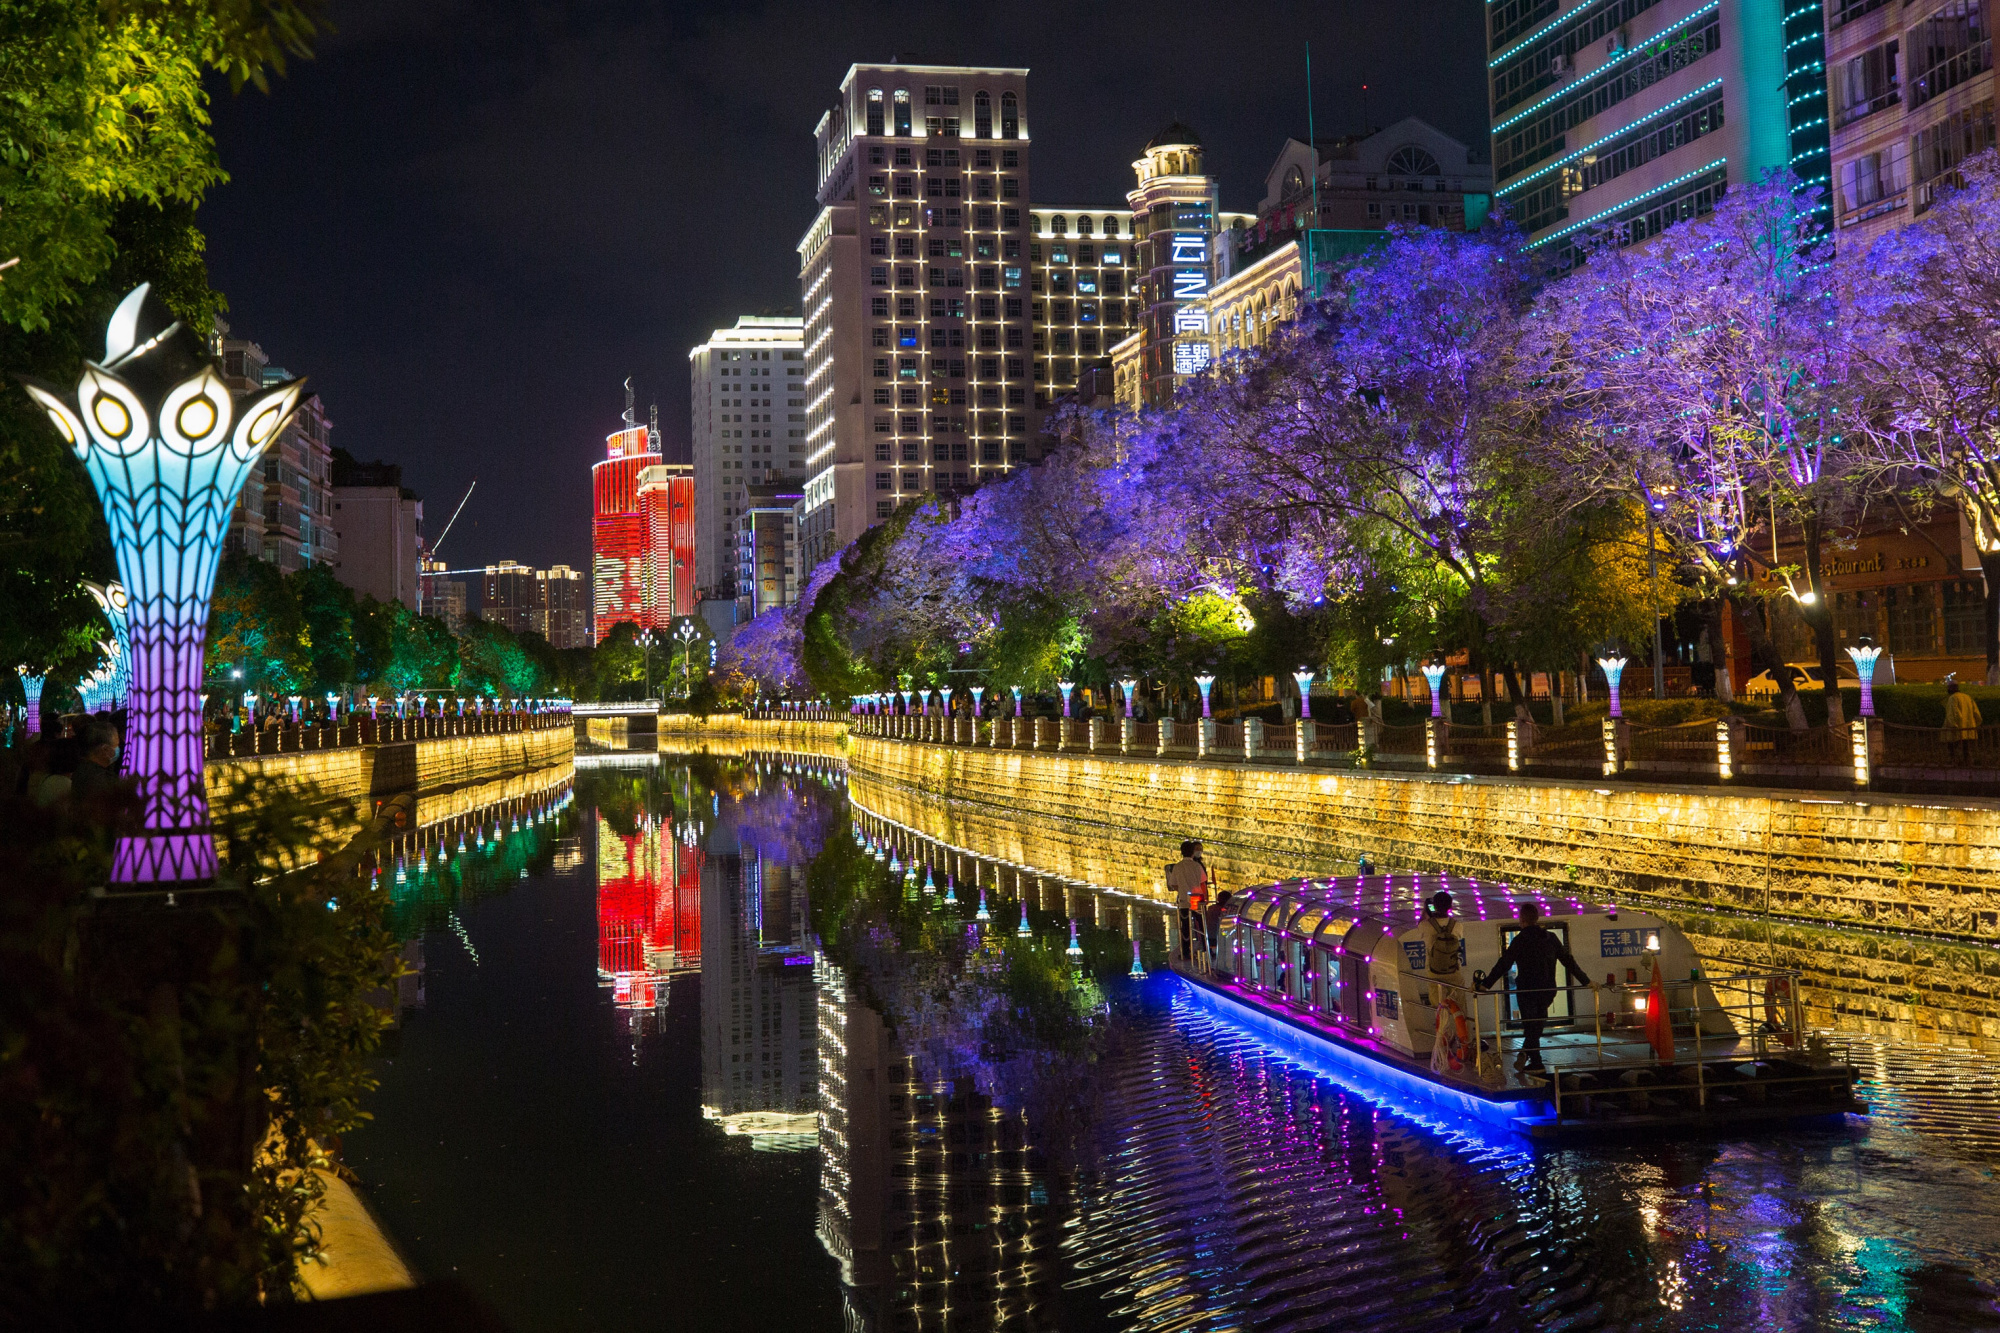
1819	617
1516	695
1989	565
1764	654
1718	648
1485	696
1557	685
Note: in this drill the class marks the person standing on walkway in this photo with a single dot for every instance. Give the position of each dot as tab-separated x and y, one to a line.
1533	954
1961	721
1187	881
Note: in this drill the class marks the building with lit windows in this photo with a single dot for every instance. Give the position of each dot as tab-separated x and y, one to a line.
562	607
621	543
284	514
1911	91
1625	116
507	593
438	594
749	409
767	550
380	525
914	279
1081	293
667	500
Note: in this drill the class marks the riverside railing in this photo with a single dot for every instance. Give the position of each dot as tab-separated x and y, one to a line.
294	738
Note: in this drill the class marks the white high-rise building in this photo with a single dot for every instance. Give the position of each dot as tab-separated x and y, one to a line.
749	426
914	276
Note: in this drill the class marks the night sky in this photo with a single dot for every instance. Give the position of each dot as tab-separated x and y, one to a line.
469	222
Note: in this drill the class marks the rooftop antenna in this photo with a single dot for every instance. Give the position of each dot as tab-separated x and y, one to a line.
453	519
1365	131
630	420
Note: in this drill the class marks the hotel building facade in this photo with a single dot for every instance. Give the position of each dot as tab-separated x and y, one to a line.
914	278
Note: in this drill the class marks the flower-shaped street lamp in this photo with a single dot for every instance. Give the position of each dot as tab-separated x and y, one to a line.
1017	699
250	706
1434	674
1131	688
1613	664
115	605
1066	686
1205	683
333	705
978	697
167	447
1866	652
31	689
1303	678
944	693
292	702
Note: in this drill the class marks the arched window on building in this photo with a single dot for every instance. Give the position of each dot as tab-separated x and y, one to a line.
1059	225
982	115
875	111
1083	224
1412	160
1111	225
903	111
1010	117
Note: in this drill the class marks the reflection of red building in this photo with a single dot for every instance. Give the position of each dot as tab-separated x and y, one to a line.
666	498
648	914
621	542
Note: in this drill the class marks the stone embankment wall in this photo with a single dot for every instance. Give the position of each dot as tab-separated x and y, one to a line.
1883	862
730	733
361	771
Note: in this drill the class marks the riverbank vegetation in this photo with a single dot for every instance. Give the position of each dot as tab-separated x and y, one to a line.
1455	452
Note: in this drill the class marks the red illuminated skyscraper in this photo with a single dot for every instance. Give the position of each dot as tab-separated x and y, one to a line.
666	497
621	538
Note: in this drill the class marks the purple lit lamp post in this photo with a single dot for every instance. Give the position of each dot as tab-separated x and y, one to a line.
31	689
1131	688
1017	699
333	706
1205	684
1434	675
1303	678
978	698
1065	686
167	447
1866	652
945	694
1613	665
113	602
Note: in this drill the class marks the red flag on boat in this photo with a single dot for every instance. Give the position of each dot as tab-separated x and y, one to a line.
1659	1022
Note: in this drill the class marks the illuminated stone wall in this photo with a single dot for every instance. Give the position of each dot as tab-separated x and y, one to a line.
1886	862
730	733
360	771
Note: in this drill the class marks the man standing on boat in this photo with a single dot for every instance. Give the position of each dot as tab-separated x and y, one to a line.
1187	881
1533	954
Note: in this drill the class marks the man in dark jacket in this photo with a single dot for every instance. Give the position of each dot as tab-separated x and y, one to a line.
1533	955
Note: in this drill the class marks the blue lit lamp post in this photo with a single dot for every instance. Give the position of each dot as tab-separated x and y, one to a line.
1615	734
168	448
1204	683
1434	675
1613	665
113	602
1866	652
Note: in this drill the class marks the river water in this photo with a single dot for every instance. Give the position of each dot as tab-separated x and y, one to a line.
689	1054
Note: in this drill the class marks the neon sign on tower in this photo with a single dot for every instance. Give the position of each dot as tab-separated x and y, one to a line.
621	538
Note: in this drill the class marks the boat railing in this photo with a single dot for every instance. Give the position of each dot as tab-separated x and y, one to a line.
1761	1008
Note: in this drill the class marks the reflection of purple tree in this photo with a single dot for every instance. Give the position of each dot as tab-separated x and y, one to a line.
167	447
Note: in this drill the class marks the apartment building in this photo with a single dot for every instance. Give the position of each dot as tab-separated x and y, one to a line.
915	293
1083	296
381	523
1911	89
749	422
284	514
767	550
1625	116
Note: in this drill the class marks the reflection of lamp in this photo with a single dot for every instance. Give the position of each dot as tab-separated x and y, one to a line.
1303	678
1614	667
982	914
1138	972
1204	684
1434	674
950	894
1865	652
1023	930
167	447
1131	688
1065	686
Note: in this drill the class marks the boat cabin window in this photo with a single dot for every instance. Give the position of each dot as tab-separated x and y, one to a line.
1559	1010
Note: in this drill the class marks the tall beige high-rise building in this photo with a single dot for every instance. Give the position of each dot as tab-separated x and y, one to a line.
915	286
749	423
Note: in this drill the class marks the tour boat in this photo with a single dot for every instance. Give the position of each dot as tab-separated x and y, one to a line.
1338	968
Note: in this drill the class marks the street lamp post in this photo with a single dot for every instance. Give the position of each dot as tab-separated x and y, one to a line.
1065	686
1204	683
646	642
1434	674
1614	667
167	447
1303	678
1130	685
1866	652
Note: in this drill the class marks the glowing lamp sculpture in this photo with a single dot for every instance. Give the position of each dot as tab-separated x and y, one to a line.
945	694
333	705
31	690
1303	678
1434	674
1017	699
1866	652
1204	684
978	697
1614	667
1066	686
1131	688
167	447
113	602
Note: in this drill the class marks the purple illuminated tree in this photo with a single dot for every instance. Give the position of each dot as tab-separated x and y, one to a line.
167	447
1710	377
1928	298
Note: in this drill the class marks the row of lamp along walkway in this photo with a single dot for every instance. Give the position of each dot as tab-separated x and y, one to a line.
1860	754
